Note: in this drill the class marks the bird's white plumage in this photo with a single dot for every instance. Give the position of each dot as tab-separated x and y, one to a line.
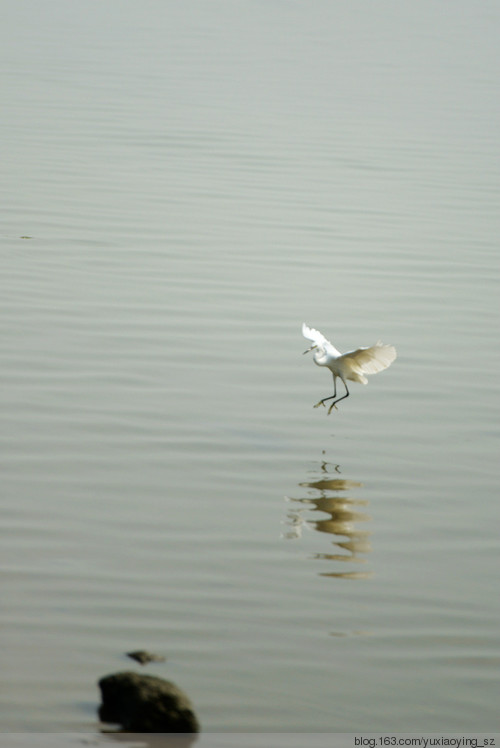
319	340
353	365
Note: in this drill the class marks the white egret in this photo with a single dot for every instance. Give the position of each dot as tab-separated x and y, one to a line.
352	365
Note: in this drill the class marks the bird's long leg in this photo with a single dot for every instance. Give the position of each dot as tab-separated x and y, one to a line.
332	397
334	404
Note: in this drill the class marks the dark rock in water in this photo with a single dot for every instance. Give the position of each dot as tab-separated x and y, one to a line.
142	656
145	703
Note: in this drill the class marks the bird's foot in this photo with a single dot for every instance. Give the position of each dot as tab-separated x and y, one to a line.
332	406
321	402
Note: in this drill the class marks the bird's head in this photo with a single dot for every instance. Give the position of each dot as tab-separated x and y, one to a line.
312	348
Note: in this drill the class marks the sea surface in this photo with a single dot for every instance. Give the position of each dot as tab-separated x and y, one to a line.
182	185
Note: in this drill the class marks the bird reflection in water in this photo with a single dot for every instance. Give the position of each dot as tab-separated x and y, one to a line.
327	495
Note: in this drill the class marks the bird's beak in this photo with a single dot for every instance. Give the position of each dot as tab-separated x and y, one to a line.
309	349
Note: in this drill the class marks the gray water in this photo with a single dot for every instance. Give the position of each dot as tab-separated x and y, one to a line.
183	184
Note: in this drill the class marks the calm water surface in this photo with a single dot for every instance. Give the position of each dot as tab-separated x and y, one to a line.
182	186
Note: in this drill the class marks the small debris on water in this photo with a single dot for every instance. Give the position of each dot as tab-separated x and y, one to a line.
143	657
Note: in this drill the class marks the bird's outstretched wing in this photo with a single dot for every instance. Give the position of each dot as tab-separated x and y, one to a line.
371	360
314	336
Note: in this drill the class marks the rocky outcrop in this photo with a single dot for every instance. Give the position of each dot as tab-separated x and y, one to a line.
146	703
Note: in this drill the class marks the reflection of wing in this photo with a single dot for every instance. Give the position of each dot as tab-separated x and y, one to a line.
332	484
314	336
371	360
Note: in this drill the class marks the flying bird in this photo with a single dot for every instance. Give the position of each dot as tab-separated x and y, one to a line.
352	365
